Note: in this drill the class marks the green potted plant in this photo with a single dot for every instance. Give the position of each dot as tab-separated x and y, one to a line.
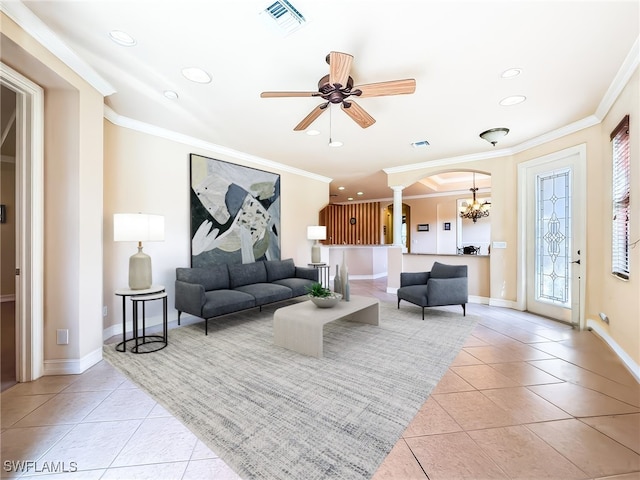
323	297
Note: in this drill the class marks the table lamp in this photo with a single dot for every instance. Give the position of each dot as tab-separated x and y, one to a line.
138	227
316	232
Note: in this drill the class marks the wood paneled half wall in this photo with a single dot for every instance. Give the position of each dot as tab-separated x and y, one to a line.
353	224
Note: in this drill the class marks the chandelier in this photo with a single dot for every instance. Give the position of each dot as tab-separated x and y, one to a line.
473	209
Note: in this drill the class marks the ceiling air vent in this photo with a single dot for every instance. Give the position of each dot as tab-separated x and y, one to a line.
286	17
420	144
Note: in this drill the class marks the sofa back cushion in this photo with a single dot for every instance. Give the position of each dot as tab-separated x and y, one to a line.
440	270
246	273
279	269
215	277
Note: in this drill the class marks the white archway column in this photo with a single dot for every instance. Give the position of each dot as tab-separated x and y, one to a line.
397	215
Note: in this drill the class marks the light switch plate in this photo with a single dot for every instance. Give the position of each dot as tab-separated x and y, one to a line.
499	245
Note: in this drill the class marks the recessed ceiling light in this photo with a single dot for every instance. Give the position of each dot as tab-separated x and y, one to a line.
350	198
196	74
122	38
313	133
170	94
360	193
512	100
512	72
340	188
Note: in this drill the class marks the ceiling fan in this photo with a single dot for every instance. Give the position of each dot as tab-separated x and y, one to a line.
337	87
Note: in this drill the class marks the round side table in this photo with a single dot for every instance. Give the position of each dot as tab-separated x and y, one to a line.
128	292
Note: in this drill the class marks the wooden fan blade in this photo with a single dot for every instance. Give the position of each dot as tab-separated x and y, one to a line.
359	115
287	94
393	87
339	67
309	119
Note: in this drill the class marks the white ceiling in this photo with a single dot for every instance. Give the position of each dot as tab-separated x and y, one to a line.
569	51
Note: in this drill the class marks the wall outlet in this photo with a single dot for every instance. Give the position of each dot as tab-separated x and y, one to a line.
104	311
62	336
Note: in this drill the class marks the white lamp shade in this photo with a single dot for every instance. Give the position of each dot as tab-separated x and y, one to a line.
316	232
138	227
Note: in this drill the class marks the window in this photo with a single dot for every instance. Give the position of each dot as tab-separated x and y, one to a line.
620	196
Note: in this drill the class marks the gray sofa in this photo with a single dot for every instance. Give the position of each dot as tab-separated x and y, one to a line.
443	285
220	289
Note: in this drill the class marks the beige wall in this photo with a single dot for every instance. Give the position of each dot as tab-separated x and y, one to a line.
73	202
147	173
604	293
435	211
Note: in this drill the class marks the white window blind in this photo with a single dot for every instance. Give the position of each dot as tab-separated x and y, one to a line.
621	200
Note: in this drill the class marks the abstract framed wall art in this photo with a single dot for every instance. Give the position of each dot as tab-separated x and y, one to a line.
235	213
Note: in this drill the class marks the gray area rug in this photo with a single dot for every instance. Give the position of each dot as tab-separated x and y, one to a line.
271	413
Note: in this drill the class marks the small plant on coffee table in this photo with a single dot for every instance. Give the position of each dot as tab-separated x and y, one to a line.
317	290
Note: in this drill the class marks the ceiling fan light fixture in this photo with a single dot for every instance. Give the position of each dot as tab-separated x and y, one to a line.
196	74
335	143
494	134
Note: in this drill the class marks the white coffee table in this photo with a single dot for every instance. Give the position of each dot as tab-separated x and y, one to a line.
299	327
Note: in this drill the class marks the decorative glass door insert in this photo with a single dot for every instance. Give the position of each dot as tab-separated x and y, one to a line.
553	238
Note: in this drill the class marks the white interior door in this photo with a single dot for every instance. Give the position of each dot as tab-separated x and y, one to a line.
553	234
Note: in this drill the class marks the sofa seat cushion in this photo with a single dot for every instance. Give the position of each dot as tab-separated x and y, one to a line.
298	286
241	274
220	302
266	292
279	269
416	294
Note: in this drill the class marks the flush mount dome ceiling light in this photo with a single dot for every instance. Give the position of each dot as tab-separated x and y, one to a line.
196	74
494	134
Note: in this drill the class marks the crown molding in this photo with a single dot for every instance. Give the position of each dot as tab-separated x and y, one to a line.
620	80
149	129
627	69
35	27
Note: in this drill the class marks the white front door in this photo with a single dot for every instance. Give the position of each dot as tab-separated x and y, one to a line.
553	234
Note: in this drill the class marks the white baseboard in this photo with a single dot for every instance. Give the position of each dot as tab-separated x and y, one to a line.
626	360
477	299
362	277
116	330
498	302
72	366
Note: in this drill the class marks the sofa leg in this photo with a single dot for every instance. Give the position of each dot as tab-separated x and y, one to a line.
398	304
464	309
179	312
423	313
206	326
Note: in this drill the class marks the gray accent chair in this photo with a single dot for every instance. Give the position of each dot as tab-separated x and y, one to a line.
443	285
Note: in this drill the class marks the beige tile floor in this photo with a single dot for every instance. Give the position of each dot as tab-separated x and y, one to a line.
526	398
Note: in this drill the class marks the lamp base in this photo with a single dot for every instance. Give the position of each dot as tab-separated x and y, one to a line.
139	270
315	252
